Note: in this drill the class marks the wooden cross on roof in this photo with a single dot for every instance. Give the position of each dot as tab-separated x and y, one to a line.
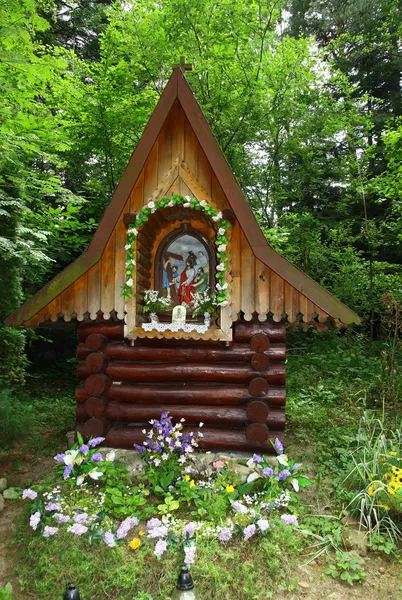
183	65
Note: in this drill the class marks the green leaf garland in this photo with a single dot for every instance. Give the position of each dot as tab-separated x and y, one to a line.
221	241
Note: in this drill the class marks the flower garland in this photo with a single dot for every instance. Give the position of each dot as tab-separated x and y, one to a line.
221	241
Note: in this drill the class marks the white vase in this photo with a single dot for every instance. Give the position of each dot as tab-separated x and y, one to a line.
207	319
154	318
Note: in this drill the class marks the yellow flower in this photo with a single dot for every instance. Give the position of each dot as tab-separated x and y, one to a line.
229	489
383	459
187	478
392	453
388	477
192	483
371	490
135	543
396	470
141	533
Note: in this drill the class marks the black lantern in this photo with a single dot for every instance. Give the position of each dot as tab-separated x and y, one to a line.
71	593
185	589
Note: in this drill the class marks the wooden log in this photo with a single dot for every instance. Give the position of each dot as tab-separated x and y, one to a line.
243	332
219	373
80	394
257	411
95	427
112	330
95	406
190	394
257	434
216	416
258	387
174	353
96	362
143	260
260	342
226	439
96	342
96	385
260	361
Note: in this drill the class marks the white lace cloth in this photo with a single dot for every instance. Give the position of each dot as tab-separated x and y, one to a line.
187	327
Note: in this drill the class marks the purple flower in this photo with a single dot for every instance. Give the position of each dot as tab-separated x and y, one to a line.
267	472
289	519
257	458
284	475
49	531
189	529
51	506
263	524
240	508
28	493
109	539
125	527
160	548
80	518
158	532
249	531
59	457
61	518
139	448
67	471
34	520
96	441
278	446
189	552
154	522
77	529
225	535
84	449
296	466
96	457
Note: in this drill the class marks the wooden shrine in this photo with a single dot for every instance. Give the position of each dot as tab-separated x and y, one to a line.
163	230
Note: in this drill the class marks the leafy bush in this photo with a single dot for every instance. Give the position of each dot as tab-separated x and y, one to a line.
347	568
6	593
15	421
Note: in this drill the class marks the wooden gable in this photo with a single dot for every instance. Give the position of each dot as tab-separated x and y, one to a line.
178	154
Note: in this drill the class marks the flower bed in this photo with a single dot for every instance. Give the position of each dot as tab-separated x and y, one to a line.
171	503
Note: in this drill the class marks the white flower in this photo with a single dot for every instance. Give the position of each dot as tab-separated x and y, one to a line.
133	261
110	456
217	217
171	204
295	484
222	248
157	462
250	463
127	247
201	424
263	524
186	204
94	474
224	303
144	431
220	267
221	231
134	231
253	477
130	282
203	203
187	197
282	459
220	287
80	479
151	204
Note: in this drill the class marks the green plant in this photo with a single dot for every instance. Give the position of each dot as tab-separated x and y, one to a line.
154	302
204	302
169	505
15	419
347	568
379	543
6	593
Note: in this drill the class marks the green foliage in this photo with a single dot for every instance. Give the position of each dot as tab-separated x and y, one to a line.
14	422
347	567
6	593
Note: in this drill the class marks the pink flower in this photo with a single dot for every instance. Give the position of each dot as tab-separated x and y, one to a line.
218	464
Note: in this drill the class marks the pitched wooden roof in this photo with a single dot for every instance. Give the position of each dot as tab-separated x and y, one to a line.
179	90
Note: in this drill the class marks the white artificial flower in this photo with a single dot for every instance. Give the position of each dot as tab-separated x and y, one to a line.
295	484
151	204
250	463
282	459
222	248
127	247
201	424
224	303
221	231
144	431
217	217
203	203
263	524
95	474
134	231
220	267
133	261
80	479
171	204
253	477
186	204
110	456
130	282
220	287
187	197
165	456
157	462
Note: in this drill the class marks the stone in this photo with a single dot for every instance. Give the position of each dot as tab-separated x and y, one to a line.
11	494
3	484
304	584
1	502
70	437
354	538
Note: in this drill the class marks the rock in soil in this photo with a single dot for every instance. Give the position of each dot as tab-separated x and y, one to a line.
3	484
1	503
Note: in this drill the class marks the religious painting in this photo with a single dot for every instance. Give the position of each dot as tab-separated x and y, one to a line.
186	269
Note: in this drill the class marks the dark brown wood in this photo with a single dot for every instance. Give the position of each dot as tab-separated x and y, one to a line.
257	411
143	260
96	342
244	331
276	396
260	361
258	387
229	216
112	330
226	439
96	362
95	427
95	406
175	353
219	373
129	219
96	385
257	434
260	342
80	394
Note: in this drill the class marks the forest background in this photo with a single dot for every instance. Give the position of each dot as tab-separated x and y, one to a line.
304	97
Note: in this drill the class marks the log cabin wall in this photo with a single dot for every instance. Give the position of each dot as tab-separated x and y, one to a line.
236	390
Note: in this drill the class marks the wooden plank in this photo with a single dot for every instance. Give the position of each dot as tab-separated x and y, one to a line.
190	148
94	304
204	171
177	118
164	151
306	308
247	279
107	278
218	194
67	302
322	315
262	273
291	302
81	296
119	268
277	297
54	308
137	195
235	252
151	174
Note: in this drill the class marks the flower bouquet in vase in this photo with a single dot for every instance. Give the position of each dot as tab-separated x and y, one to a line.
205	303
153	303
